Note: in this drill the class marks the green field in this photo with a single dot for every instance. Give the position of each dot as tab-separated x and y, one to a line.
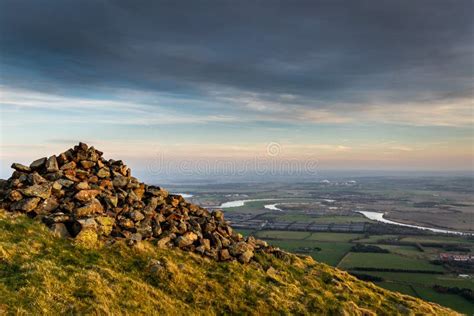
455	302
331	252
338	237
376	238
291	217
421	279
400	193
398	287
340	219
255	207
335	251
281	234
386	261
407	251
438	239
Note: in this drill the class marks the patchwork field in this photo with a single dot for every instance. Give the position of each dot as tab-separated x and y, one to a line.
386	261
335	249
330	207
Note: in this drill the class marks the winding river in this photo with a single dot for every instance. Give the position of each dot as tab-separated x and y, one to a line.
272	207
376	216
184	195
239	203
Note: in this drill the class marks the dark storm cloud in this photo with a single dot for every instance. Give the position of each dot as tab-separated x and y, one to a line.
324	50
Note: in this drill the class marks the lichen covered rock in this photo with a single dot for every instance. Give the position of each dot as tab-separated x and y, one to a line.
80	194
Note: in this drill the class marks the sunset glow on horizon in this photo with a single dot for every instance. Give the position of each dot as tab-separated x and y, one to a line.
372	85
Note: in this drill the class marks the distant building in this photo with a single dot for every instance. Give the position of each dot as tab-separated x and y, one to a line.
456	257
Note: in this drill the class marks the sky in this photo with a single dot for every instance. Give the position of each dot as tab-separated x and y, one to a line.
343	85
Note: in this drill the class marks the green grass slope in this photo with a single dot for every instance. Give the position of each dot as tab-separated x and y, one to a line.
44	274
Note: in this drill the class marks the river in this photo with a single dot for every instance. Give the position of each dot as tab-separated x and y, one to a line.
376	216
184	195
239	203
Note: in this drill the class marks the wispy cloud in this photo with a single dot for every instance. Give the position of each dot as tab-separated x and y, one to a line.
79	110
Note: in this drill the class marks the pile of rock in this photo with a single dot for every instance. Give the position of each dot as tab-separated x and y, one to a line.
78	193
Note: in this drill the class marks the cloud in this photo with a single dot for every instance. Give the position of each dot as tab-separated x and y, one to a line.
227	74
89	110
320	53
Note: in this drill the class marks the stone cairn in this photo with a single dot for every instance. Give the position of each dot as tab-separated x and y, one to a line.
79	193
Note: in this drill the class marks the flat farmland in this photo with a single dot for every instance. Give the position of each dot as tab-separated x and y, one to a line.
282	234
422	279
331	237
386	261
450	300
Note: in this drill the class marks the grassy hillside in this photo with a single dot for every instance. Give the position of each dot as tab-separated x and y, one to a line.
44	274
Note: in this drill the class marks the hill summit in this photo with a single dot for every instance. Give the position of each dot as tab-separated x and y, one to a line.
80	194
123	253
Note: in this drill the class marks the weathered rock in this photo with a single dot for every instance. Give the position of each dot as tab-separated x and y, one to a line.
135	238
35	178
261	243
240	248
15	195
20	167
68	166
82	186
156	228
119	181
79	193
246	256
111	200
140	191
65	182
92	207
186	239
26	205
210	227
52	164
47	206
163	242
87	164
157	191
106	184
224	255
87	223
58	217
57	186
38	163
60	230
103	173
206	243
137	216
71	176
38	190
218	214
106	224
201	250
86	195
